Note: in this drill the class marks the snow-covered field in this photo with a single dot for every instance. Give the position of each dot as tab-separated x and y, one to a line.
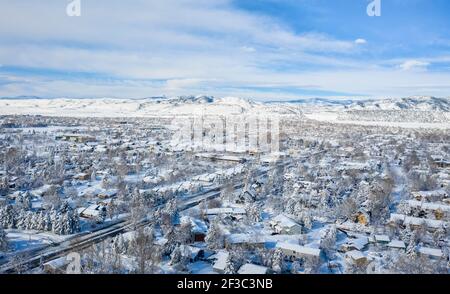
333	117
425	112
107	107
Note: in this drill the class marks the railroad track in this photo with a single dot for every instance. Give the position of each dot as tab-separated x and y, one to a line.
85	240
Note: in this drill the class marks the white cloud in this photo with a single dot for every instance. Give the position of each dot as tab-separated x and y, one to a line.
248	49
414	65
190	46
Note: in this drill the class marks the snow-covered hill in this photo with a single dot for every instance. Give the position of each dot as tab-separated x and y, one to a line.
418	103
153	106
420	110
406	112
317	102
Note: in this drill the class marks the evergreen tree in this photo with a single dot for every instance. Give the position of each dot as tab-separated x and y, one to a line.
7	217
328	241
278	261
3	240
234	262
23	201
215	239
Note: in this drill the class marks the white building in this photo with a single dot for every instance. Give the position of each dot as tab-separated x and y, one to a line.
282	224
293	251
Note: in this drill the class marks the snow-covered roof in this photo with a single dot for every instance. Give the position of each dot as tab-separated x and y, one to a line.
359	243
435	193
436	252
221	260
160	241
382	238
191	250
428	206
298	248
245	238
198	226
355	254
92	211
284	221
409	220
225	210
397	244
252	269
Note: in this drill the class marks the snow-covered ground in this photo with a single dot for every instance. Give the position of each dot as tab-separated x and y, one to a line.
333	117
423	107
108	107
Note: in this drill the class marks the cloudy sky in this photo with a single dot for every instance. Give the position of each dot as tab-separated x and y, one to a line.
259	49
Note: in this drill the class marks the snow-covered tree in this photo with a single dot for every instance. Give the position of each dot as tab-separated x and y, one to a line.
411	248
172	242
143	249
295	267
278	264
253	212
3	240
179	258
185	232
8	217
112	209
102	214
176	256
120	246
93	176
215	238
22	220
234	262
328	241
23	200
347	208
307	220
171	209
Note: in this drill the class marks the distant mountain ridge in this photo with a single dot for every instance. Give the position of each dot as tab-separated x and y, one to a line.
415	103
316	101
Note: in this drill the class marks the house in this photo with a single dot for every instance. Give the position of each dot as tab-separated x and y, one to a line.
82	176
440	161
294	251
397	244
429	195
199	231
434	253
92	212
244	240
198	228
225	210
106	194
282	224
416	222
356	257
383	239
439	210
253	269
79	138
354	244
246	197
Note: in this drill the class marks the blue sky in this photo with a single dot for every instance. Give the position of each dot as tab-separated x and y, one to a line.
257	49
